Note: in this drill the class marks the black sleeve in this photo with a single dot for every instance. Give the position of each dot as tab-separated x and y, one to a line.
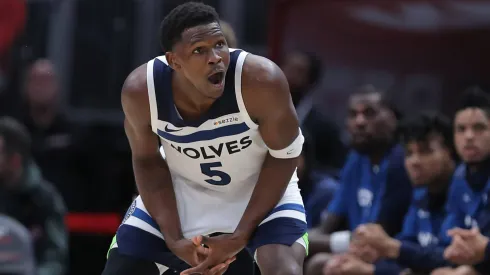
421	259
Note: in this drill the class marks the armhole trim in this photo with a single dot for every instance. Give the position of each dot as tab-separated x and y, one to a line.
151	95
238	91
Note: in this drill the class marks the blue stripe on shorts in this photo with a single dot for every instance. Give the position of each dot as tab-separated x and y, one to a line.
281	230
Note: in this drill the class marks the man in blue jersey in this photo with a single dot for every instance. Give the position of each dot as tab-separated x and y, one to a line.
231	138
468	204
374	186
429	159
467	199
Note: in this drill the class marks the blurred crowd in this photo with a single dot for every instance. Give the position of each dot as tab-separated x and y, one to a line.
403	194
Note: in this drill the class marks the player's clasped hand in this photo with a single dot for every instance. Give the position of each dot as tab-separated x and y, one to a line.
190	252
220	251
193	253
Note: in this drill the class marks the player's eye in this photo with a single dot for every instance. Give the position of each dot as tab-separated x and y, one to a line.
220	44
197	50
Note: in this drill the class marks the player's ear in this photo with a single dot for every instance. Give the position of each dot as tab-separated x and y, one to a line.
172	61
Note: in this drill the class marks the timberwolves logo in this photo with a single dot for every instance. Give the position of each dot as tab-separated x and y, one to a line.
130	211
425	239
364	197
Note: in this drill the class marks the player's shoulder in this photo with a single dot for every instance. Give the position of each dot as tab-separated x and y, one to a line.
134	94
259	70
136	82
263	82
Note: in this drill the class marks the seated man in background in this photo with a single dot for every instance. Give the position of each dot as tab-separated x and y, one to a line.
375	163
28	198
51	133
468	205
430	163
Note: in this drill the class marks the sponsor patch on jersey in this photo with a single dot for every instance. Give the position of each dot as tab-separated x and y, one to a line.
226	120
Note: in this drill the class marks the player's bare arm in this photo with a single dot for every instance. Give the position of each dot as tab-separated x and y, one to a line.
150	170
268	101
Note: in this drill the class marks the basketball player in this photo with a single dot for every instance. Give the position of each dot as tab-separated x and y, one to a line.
231	138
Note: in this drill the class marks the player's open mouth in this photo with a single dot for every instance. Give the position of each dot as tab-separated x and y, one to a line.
217	78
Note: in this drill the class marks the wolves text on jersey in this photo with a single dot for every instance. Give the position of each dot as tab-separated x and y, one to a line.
211	151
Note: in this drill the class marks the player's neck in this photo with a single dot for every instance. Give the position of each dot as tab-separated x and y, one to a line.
188	100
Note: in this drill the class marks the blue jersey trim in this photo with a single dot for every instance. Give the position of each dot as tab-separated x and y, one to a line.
288	206
226	104
224	131
140	214
284	230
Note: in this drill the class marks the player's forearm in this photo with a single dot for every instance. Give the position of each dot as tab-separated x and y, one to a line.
156	190
273	181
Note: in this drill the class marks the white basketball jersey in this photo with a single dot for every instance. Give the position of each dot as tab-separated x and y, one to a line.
214	161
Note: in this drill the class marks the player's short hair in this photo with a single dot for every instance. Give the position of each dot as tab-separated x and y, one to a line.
423	126
185	16
16	137
386	100
475	97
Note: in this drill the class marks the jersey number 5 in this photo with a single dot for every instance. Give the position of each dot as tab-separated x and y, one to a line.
207	169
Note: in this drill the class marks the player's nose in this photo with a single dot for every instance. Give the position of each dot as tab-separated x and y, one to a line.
214	57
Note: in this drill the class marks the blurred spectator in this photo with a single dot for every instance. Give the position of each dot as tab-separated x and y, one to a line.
50	131
17	253
303	71
375	163
317	189
31	200
468	204
229	34
12	20
429	159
